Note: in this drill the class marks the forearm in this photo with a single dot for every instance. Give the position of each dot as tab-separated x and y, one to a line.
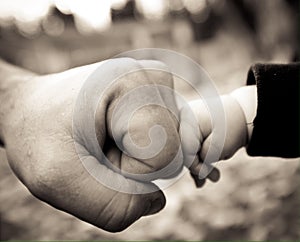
247	98
11	77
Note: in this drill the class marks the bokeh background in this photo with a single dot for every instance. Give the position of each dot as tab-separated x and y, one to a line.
256	198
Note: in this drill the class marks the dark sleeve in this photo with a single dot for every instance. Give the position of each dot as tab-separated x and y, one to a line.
276	125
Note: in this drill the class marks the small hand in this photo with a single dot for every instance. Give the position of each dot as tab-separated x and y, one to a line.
201	136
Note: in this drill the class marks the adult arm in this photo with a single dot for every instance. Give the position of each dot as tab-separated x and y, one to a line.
10	78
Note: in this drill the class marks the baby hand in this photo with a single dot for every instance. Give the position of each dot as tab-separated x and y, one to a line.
197	140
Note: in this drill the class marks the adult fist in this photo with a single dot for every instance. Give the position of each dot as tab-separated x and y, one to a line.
41	144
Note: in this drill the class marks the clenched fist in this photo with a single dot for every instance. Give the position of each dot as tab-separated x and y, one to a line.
36	129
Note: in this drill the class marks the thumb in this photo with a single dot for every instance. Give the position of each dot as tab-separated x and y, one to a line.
145	131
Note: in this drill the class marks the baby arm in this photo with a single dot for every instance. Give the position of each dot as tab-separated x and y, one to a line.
240	109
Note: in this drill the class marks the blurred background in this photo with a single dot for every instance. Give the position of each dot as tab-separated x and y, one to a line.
255	199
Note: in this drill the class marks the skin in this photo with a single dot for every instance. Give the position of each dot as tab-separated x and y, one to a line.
240	110
36	130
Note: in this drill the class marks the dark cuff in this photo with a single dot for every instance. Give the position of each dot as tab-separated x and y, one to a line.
276	125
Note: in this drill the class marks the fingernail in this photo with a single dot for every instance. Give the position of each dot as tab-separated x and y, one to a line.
214	176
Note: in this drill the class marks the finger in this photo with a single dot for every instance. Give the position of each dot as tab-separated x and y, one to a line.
195	126
225	150
136	169
139	169
198	182
235	135
158	73
148	133
162	76
97	199
214	175
203	170
152	128
190	134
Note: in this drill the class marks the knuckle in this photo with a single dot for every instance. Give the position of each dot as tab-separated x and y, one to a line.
158	72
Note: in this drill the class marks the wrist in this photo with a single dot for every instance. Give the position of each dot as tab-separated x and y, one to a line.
247	99
12	81
236	121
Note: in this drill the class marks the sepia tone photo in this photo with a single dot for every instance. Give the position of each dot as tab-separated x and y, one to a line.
149	120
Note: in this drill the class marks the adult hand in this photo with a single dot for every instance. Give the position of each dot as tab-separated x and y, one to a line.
36	129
